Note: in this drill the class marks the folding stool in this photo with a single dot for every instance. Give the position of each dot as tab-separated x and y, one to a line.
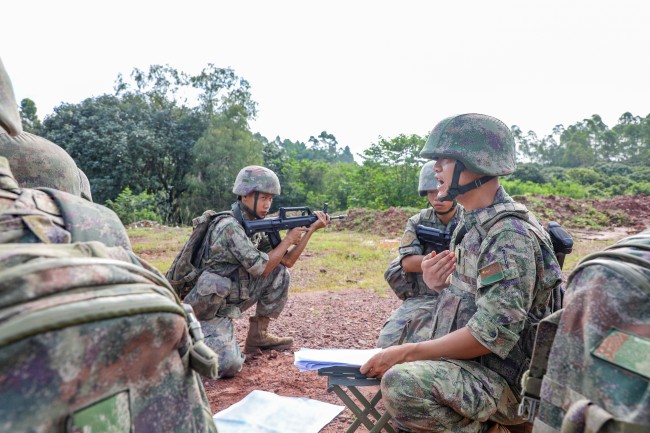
351	378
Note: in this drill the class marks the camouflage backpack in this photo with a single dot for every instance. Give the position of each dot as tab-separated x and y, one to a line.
184	271
591	362
93	340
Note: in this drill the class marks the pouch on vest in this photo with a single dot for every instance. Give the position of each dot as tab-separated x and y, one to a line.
208	295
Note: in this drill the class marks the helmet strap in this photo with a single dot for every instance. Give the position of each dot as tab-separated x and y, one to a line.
455	190
453	206
254	210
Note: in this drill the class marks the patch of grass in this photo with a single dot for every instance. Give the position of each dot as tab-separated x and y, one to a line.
158	245
338	260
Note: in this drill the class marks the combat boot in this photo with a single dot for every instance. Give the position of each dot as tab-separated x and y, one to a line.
259	337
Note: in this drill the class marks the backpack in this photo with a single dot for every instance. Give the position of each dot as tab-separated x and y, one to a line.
93	339
184	270
591	363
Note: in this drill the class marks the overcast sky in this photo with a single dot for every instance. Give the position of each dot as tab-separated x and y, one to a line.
357	69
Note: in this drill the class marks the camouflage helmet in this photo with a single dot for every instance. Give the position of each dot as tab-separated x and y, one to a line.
427	180
35	161
255	178
482	143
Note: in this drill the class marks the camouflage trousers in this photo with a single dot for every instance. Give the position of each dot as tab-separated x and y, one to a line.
270	293
447	396
417	314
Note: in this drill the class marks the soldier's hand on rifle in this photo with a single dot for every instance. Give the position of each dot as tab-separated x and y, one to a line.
295	235
323	221
436	269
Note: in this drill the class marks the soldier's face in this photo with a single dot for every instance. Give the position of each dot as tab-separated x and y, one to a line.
439	206
264	202
444	169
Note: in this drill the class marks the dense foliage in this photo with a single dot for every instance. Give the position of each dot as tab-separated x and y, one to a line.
169	145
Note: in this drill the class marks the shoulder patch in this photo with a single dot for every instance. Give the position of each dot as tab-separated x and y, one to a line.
625	350
491	273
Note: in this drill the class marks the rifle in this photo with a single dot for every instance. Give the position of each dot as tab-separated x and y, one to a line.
437	238
562	241
272	226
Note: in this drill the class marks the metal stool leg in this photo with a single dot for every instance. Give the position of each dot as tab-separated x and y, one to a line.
381	422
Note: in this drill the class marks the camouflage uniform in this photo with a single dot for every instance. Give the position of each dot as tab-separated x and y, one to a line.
419	301
497	292
233	283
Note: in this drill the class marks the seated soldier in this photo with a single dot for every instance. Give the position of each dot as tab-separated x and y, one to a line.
413	320
242	272
467	378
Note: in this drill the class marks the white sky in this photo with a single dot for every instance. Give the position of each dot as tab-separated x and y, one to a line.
357	69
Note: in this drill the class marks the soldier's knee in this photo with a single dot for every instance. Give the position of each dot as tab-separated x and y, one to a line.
397	383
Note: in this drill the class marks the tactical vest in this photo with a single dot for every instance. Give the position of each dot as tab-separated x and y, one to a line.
457	303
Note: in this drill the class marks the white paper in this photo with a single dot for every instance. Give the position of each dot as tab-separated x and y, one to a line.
265	412
315	359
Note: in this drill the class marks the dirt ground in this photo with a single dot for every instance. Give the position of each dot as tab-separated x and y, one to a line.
352	317
349	318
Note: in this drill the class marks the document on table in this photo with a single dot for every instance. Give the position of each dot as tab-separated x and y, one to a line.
315	359
265	412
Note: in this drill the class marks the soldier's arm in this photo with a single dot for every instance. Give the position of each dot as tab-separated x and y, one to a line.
294	253
410	249
459	344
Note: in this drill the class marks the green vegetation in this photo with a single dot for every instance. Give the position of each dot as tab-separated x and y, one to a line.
131	208
186	151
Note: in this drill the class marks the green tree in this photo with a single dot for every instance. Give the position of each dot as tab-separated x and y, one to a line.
29	118
529	172
225	148
389	174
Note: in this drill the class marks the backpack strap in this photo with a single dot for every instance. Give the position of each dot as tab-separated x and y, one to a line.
532	380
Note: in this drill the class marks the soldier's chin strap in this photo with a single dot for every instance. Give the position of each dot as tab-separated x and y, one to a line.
451	209
455	190
254	210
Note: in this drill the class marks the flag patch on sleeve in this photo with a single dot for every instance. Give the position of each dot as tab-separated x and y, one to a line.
491	273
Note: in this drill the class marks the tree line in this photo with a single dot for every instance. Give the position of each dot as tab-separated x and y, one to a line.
167	145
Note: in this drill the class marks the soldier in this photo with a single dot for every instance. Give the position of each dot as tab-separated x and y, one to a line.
99	329
242	271
413	320
494	286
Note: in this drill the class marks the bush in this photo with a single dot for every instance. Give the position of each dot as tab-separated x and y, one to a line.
131	208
